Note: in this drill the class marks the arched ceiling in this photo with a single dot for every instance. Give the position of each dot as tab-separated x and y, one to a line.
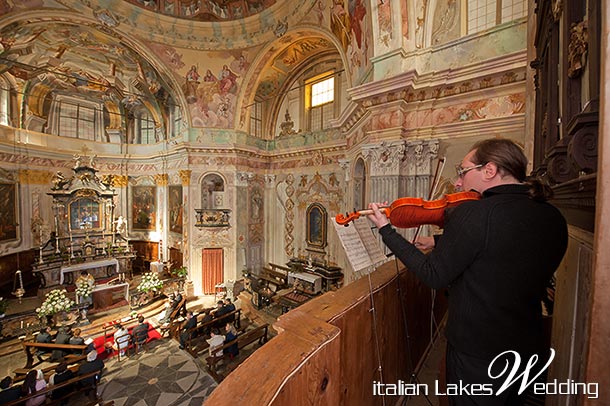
205	10
77	58
281	67
197	30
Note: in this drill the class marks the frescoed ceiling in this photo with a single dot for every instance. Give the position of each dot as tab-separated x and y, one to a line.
196	24
76	58
288	61
206	10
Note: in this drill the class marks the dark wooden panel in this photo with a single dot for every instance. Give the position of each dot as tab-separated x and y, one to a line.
8	266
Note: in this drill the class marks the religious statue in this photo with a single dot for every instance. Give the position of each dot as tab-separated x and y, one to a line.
120	225
59	181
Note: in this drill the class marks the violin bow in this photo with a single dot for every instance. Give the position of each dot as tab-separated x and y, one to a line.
440	165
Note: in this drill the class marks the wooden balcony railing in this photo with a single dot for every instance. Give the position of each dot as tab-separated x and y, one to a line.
326	350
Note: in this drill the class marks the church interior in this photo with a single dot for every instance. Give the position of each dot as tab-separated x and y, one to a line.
181	152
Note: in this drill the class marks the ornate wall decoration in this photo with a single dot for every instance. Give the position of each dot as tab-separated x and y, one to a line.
385	158
289	221
212	238
577	49
421	22
384	18
418	156
446	25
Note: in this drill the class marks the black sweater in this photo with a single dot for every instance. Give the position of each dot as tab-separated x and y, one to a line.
496	256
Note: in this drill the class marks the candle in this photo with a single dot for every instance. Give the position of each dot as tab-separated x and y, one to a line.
21	323
160	248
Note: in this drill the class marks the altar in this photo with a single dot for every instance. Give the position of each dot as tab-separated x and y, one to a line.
89	265
103	294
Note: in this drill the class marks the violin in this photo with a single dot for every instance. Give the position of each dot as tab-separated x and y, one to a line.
408	212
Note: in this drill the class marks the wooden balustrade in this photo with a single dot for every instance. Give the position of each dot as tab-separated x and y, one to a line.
326	353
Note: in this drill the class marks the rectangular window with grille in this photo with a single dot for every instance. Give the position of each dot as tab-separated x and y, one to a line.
484	14
256	119
321	102
147	129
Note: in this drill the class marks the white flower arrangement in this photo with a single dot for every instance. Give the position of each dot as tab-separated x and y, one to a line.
56	301
150	281
83	289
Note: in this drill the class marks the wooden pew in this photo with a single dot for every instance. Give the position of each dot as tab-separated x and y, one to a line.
198	331
30	348
70	359
247	338
76	389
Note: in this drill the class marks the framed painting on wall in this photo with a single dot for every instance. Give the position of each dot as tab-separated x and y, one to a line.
176	209
8	211
316	218
143	208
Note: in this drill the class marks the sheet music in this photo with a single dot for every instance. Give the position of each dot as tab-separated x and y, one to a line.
357	254
371	243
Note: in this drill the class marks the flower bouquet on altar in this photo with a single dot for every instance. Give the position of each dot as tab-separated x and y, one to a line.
55	302
150	283
83	290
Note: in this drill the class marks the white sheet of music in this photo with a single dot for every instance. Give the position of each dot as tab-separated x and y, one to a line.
371	243
357	254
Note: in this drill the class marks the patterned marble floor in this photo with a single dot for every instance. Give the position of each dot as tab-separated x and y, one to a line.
163	375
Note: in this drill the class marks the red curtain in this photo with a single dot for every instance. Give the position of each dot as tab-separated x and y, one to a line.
212	267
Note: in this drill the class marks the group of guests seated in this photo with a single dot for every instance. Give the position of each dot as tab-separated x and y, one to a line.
122	337
65	335
35	382
216	339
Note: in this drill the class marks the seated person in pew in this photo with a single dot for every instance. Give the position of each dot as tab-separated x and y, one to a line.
215	341
62	374
207	318
8	393
229	307
34	382
190	323
63	337
140	332
217	313
233	350
43	337
172	304
93	364
76	339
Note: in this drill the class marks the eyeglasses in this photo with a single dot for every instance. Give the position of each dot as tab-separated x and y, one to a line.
462	171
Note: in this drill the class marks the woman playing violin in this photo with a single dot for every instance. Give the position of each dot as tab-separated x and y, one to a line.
495	256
